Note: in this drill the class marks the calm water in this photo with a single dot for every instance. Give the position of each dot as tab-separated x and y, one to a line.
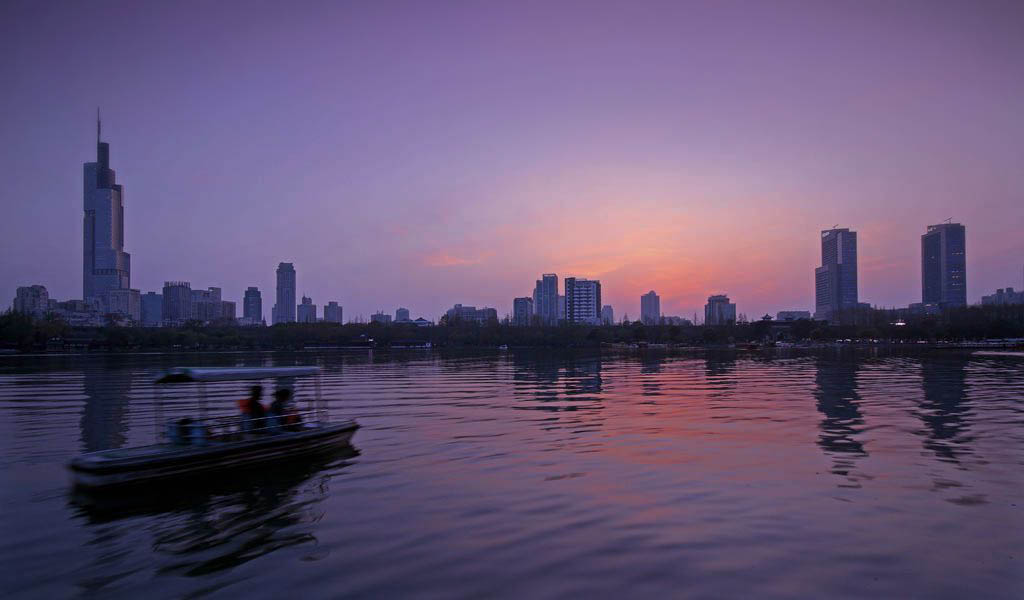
526	475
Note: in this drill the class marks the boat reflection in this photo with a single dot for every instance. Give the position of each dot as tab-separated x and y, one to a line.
216	524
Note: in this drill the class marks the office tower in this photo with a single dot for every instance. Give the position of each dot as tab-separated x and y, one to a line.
835	281
307	311
332	312
944	265
1002	297
650	308
561	308
380	317
105	264
465	314
607	315
152	309
124	302
522	312
177	306
545	299
582	301
719	311
402	315
206	305
792	315
228	310
32	300
252	306
284	309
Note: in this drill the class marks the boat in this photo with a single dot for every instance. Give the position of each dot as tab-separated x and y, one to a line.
195	449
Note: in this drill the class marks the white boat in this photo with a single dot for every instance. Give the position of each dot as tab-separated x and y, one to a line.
190	449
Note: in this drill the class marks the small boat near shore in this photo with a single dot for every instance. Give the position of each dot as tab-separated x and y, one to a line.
193	449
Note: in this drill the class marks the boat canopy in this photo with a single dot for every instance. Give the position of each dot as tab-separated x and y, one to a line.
194	374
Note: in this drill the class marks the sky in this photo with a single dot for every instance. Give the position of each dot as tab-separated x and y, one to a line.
420	154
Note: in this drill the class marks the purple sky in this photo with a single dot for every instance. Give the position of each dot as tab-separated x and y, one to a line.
425	153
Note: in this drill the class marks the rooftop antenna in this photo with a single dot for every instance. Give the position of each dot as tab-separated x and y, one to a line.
949	220
836	226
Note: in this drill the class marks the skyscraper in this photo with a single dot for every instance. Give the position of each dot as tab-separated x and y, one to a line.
105	264
944	265
284	309
719	311
582	301
650	308
402	315
152	309
177	302
607	315
332	312
522	312
835	281
252	306
32	300
545	299
307	311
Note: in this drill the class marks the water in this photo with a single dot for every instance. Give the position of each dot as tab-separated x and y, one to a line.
532	475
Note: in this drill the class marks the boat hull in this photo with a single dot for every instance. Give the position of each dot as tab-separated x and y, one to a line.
161	463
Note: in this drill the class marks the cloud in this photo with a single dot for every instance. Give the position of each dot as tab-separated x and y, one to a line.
446	259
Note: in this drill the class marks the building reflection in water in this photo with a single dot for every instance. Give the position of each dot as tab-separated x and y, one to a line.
651	363
567	386
945	409
105	413
583	376
839	403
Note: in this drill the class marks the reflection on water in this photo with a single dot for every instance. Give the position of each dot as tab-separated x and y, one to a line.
542	475
946	407
104	416
842	421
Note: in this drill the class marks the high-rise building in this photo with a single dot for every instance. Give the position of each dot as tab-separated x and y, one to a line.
402	315
105	264
32	300
465	314
650	308
332	312
252	306
944	265
124	302
228	310
307	311
545	299
380	317
206	305
719	311
1002	297
835	281
284	309
607	315
177	302
152	309
561	307
522	312
582	300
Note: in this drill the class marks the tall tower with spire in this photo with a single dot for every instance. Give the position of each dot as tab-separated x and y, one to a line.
105	264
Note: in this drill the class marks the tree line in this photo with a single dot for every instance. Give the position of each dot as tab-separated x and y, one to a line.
21	332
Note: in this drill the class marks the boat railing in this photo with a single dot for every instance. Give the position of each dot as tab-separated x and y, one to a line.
187	431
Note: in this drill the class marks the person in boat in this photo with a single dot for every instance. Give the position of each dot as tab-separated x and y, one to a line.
283	415
253	413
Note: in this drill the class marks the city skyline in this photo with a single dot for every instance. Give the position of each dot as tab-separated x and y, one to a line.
671	194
